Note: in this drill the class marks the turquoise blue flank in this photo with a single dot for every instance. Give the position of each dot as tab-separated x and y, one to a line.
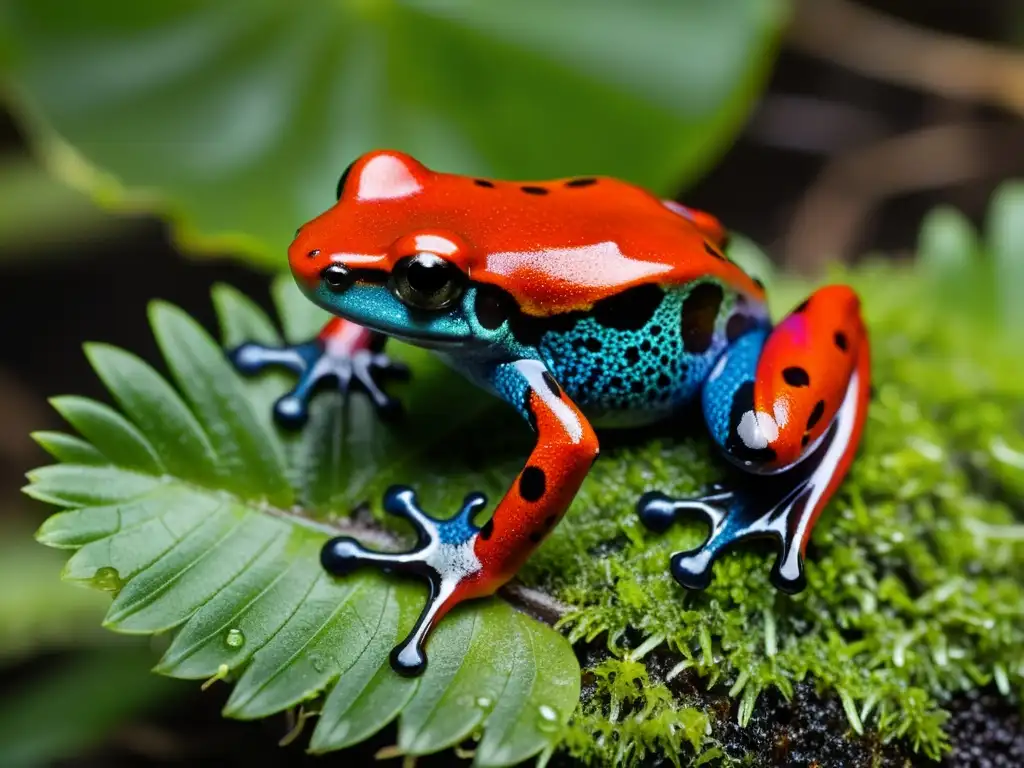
627	377
738	367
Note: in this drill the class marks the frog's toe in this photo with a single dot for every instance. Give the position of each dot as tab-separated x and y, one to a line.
443	557
250	359
370	370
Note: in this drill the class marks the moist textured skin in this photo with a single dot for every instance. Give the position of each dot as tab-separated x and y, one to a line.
583	303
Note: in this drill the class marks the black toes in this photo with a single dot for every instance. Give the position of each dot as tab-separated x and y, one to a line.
248	359
291	412
791	584
408	660
656	511
688	576
317	370
340	555
398	499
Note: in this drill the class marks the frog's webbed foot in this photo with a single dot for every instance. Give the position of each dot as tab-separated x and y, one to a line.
774	507
444	557
322	363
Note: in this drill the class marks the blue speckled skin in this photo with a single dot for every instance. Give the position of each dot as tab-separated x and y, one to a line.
630	378
618	378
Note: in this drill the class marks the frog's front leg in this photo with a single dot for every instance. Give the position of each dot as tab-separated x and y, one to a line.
343	354
460	560
787	407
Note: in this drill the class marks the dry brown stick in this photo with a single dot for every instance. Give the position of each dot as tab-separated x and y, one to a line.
830	217
889	49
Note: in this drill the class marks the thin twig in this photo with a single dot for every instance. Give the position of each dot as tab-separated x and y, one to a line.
831	217
813	126
889	49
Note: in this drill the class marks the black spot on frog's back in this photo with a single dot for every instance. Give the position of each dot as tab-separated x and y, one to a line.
630	310
699	314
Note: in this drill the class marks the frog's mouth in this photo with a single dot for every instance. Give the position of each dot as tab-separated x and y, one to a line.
374	306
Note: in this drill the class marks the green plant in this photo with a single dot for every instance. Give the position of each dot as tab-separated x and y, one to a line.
201	518
238	117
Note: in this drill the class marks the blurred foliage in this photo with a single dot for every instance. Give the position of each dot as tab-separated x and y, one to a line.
39	214
41	614
238	117
72	704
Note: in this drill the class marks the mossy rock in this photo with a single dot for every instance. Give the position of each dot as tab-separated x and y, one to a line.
914	601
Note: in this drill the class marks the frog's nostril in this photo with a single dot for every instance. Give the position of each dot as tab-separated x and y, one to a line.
313	254
337	277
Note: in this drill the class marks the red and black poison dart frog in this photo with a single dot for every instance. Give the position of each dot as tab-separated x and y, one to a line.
583	302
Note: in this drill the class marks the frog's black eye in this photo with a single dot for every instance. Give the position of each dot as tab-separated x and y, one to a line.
337	277
426	281
344	178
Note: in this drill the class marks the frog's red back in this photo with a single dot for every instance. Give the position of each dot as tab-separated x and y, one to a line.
556	246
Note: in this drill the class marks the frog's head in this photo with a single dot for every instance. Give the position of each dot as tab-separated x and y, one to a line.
385	256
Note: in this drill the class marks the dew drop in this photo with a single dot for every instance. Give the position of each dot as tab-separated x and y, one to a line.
107	579
235	638
484	702
547	719
317	661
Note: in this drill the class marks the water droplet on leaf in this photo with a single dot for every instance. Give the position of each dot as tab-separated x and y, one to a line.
547	718
107	579
235	638
484	702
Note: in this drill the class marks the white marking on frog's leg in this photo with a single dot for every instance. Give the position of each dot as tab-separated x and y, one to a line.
781	413
757	429
533	371
749	432
822	475
453	562
767	425
719	368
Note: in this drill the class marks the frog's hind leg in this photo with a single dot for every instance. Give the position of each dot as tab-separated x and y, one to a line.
788	408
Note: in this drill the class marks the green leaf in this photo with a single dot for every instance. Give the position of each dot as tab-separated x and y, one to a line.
110	433
184	509
149	401
242	115
510	735
250	456
68	449
367	695
76	485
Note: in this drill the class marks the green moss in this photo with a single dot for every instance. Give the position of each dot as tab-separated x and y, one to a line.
914	589
628	717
